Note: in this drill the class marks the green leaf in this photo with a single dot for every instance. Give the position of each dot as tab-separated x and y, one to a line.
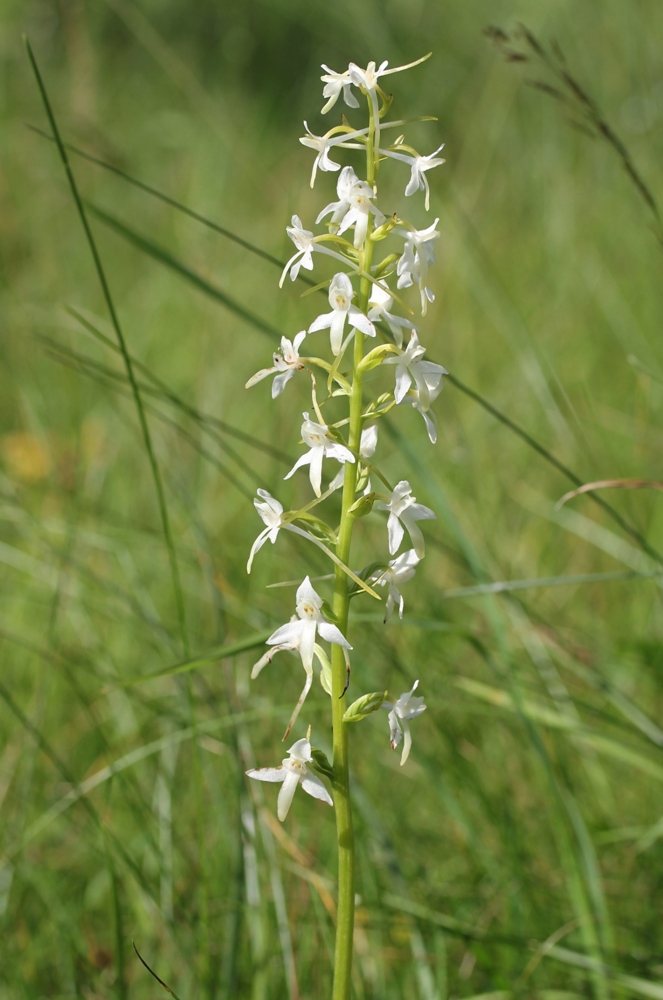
321	763
363	706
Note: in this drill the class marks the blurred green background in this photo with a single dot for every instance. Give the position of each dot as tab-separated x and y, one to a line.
519	852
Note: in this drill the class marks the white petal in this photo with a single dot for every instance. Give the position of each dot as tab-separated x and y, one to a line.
333	634
403	383
309	626
289	788
301	751
417	512
322	322
302	460
300	701
315	475
315	787
362	322
416	536
407	743
259	376
280	382
307	592
336	330
395	532
291	632
369	441
299	338
268	773
257	545
339	452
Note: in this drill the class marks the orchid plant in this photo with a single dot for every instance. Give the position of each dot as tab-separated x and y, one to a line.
365	302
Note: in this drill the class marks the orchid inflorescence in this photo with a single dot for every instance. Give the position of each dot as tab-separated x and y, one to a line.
364	302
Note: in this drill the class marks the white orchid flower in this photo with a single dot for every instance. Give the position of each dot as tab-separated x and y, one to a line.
404	512
335	83
420	164
291	772
368	78
401	714
340	299
286	364
306	243
400	571
299	635
321	446
418	253
353	208
270	511
367	445
410	368
380	303
434	385
323	143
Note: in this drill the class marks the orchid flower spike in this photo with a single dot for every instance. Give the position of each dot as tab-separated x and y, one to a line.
335	83
400	571
291	772
353	207
401	714
340	299
323	143
418	253
321	446
286	364
306	243
380	303
420	164
404	512
300	634
410	368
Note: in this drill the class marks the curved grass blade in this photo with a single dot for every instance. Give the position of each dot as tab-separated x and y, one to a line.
153	973
167	200
156	475
217	653
610	484
161	255
204	419
552	460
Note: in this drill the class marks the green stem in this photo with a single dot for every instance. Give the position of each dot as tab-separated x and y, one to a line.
342	804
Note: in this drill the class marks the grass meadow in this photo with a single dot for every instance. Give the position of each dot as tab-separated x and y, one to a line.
519	853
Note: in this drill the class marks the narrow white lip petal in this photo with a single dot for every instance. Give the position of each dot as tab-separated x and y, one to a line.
257	545
307	643
316	457
286	794
407	741
395	531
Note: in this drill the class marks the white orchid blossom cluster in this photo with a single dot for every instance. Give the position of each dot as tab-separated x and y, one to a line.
365	306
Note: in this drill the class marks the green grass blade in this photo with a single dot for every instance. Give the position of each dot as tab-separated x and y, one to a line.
164	257
202	659
161	499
